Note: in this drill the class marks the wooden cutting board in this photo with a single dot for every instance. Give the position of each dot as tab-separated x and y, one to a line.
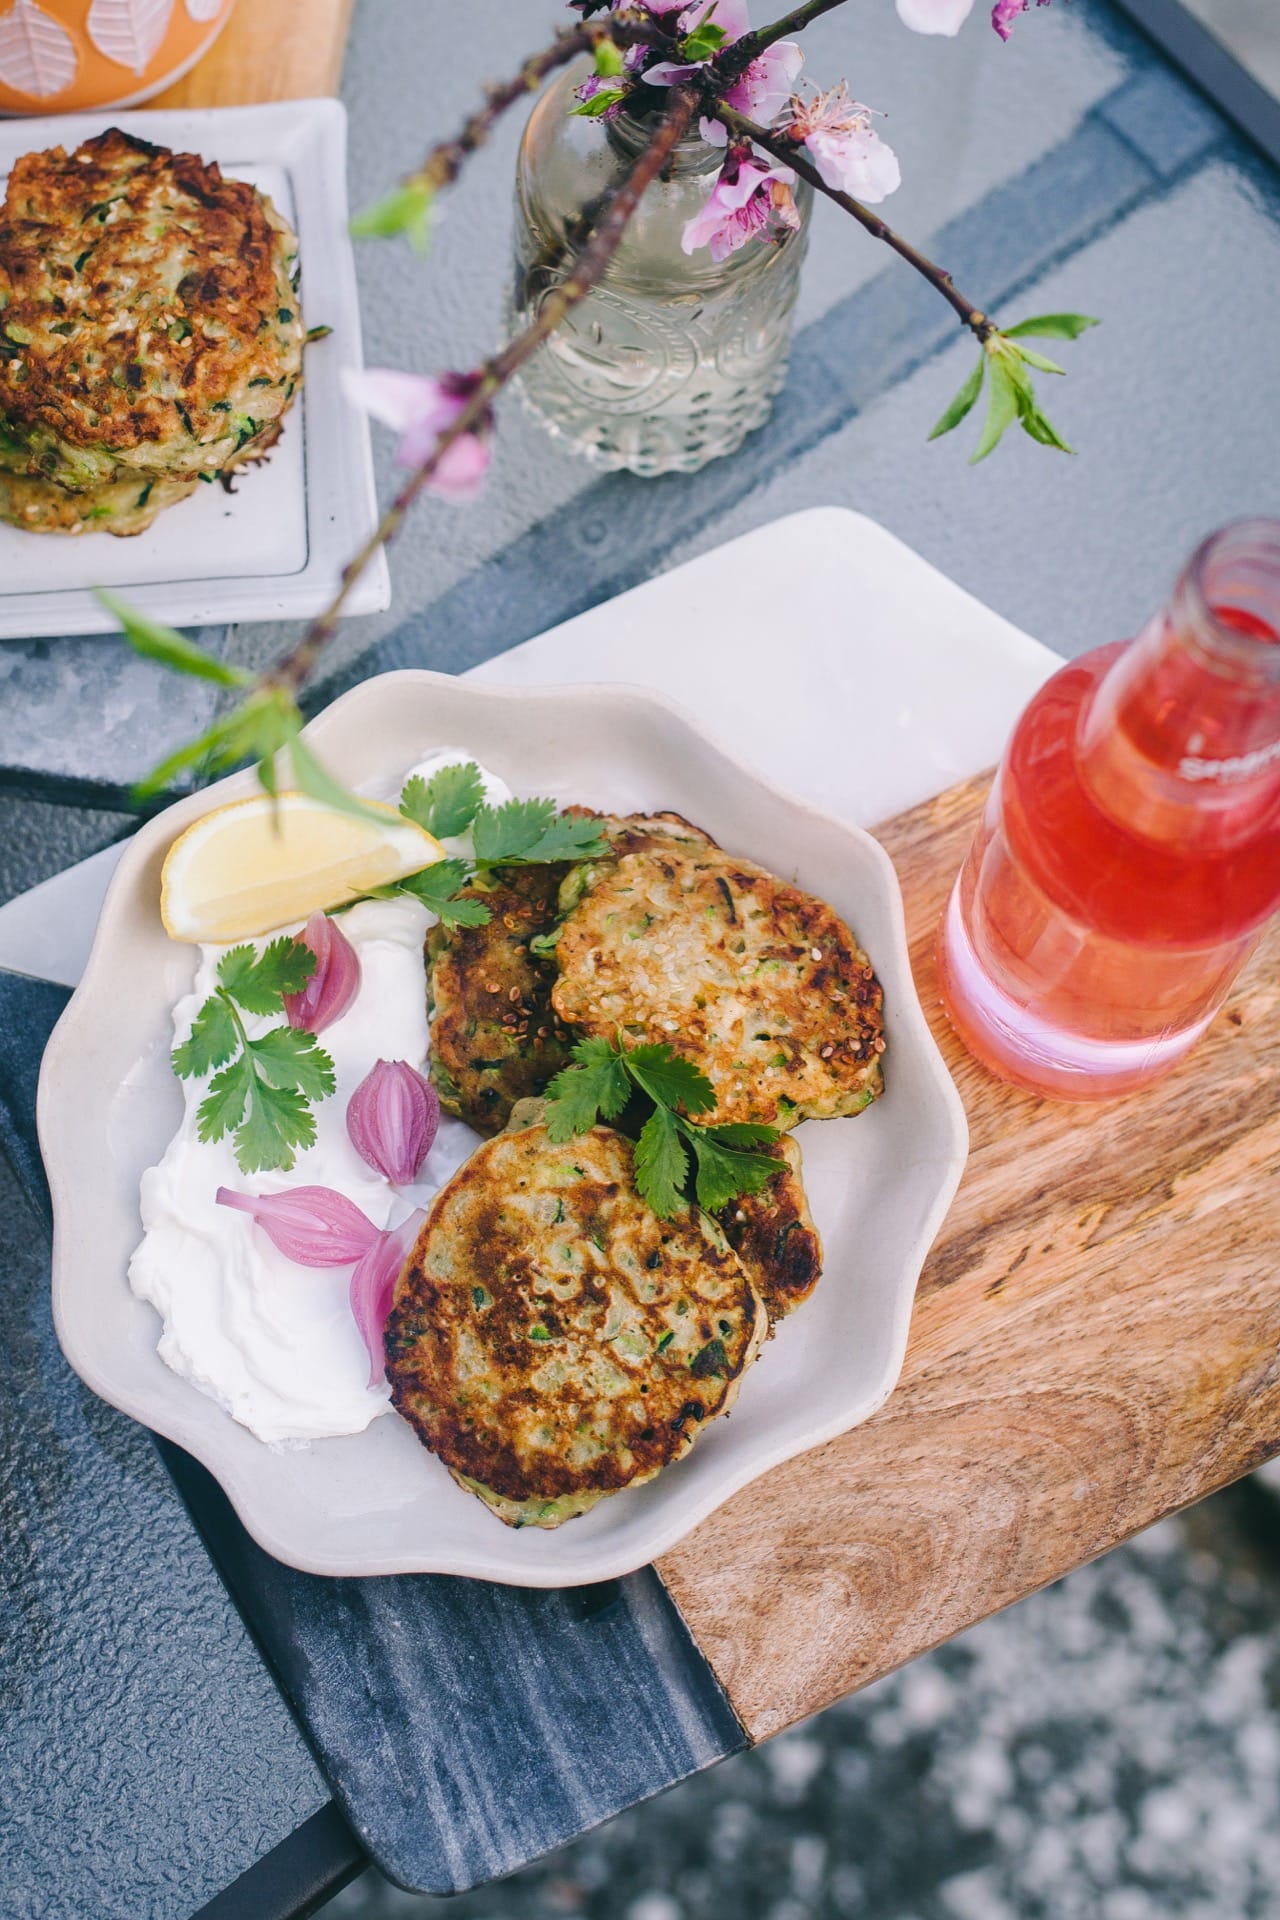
270	50
1096	1342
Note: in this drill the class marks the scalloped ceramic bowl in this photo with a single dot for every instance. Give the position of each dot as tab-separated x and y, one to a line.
377	1502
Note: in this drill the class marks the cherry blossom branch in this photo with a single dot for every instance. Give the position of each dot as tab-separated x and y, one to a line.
790	152
444	162
738	57
494	373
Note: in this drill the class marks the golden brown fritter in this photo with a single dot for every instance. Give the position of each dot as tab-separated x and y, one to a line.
551	1339
761	985
123	507
773	1234
148	322
494	1038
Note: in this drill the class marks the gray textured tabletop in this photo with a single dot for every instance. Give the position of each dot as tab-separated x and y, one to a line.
148	1759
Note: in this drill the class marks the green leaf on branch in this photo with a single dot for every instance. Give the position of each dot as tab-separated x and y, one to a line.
171	649
1002	408
1051	326
315	779
405	210
1039	361
599	103
964	401
255	730
704	40
609	61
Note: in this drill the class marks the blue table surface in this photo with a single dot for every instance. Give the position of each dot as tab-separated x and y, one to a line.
148	1758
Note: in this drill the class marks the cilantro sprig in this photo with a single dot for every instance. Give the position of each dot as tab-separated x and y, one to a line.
603	1079
517	833
262	1090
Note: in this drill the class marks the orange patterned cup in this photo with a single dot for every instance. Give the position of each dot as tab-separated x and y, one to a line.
57	56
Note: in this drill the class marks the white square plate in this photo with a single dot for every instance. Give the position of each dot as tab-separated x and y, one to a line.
274	548
377	1502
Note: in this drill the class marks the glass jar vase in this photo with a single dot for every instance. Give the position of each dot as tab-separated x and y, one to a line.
672	358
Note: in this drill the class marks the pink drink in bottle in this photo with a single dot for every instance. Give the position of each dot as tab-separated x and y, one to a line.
1129	854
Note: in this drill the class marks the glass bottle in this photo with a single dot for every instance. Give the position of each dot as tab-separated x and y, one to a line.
672	359
1129	854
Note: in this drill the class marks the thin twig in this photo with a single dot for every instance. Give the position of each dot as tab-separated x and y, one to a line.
494	374
790	152
444	162
737	58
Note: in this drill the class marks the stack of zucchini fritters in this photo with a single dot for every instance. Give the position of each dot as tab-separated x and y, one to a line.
150	336
552	1339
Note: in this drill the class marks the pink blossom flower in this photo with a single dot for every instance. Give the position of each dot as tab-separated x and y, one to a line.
843	144
763	90
420	408
934	16
746	199
1005	12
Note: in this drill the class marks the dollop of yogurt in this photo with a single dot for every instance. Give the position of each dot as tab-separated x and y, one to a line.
274	1343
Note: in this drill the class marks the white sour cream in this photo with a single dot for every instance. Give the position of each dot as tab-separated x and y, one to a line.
272	1342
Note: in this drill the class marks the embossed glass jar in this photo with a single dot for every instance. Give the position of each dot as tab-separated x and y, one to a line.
673	358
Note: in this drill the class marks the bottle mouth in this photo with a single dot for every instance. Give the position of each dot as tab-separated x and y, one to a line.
1229	597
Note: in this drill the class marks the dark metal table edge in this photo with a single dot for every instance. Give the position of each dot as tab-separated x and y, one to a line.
1212	67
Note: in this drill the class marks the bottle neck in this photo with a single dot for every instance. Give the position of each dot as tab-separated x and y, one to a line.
1181	739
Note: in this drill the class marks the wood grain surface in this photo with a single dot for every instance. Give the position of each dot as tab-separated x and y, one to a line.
270	50
1095	1344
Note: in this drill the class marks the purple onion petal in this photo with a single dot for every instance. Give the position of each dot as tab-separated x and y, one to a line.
335	982
392	1118
373	1286
314	1226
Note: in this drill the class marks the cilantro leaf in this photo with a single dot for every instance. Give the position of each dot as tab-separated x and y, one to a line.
448	802
742	1133
511	831
278	1121
668	1078
259	981
569	837
662	1164
289	1057
211	1043
437	888
722	1173
223	1106
596	1087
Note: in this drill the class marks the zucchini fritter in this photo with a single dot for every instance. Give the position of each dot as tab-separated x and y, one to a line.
761	985
495	1037
552	1340
148	321
773	1234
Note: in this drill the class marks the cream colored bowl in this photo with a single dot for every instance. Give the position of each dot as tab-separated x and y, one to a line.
377	1502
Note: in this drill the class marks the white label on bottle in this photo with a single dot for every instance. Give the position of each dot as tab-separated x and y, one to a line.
1191	767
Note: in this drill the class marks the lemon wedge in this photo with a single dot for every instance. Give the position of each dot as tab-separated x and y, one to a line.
255	865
